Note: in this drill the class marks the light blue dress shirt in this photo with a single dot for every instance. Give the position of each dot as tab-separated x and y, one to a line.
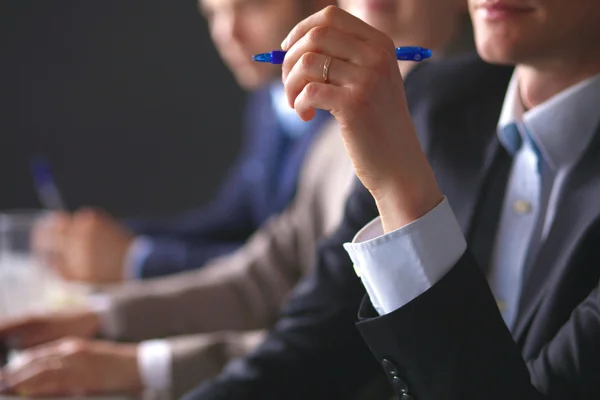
287	117
560	130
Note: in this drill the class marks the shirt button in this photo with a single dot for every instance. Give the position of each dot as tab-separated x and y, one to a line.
407	396
522	207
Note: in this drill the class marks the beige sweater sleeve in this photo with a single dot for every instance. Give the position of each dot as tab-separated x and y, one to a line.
244	290
196	358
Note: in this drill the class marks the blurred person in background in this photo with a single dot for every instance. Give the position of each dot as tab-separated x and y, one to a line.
91	246
233	295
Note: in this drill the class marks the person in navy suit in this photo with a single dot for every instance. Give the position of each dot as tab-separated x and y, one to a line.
89	245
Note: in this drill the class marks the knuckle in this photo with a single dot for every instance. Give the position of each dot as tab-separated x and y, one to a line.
330	13
72	345
358	97
312	90
317	34
89	216
95	218
368	88
351	103
308	60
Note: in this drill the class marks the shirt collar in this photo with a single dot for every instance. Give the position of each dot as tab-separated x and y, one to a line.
562	126
291	123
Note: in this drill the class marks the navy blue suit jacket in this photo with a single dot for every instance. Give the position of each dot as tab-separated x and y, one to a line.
258	186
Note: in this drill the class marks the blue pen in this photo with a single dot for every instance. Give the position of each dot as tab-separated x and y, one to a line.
408	53
45	186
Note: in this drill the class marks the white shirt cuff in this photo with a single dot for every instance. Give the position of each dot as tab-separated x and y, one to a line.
398	266
136	254
154	364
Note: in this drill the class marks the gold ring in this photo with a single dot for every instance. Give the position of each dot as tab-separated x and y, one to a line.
326	70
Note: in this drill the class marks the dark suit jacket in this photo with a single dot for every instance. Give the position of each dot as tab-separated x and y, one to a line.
254	190
449	343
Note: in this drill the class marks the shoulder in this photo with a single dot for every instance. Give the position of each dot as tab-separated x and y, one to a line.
458	78
457	98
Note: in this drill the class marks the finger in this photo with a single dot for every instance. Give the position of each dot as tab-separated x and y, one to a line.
311	67
90	214
29	332
322	96
332	42
42	351
38	377
50	231
14	329
57	263
34	337
336	18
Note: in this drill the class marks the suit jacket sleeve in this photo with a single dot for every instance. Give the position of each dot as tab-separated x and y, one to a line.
189	240
451	343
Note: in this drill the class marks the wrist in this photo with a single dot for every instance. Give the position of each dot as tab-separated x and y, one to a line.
126	356
407	198
132	371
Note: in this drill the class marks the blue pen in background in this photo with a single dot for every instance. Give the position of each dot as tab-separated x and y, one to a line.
46	188
408	53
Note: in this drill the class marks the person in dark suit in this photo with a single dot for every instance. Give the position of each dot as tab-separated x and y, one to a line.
91	246
508	158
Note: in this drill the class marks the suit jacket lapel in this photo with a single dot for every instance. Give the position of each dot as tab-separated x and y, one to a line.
578	208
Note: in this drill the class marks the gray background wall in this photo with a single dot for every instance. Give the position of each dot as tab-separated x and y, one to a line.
126	98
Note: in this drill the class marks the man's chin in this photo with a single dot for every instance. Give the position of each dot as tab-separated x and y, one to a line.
499	55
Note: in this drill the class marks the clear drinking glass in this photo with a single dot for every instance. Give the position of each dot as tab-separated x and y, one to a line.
26	284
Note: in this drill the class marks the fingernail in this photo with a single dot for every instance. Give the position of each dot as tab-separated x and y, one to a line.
284	44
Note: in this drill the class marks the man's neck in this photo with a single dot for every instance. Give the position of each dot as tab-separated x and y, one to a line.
537	85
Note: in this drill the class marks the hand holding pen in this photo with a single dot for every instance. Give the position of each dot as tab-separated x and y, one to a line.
337	62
